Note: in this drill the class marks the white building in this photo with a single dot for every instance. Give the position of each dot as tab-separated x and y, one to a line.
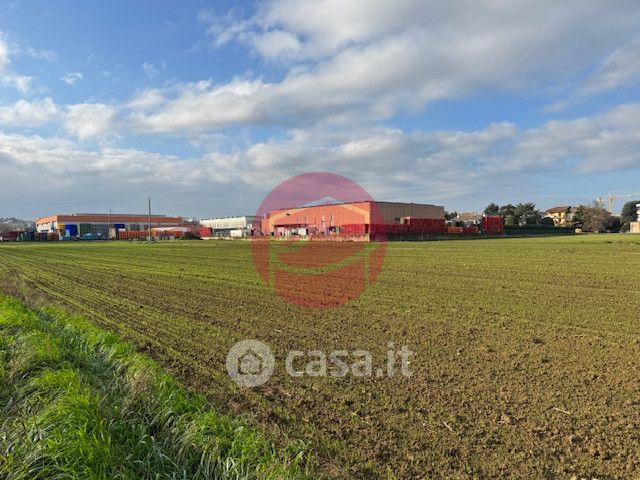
635	226
241	226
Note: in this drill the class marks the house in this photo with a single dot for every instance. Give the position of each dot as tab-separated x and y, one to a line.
562	216
635	226
467	219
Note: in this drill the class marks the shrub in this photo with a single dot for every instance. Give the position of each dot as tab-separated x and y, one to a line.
191	236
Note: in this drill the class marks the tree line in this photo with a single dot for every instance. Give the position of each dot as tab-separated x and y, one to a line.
521	214
591	217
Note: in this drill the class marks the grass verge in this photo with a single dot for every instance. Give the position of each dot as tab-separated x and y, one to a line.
77	403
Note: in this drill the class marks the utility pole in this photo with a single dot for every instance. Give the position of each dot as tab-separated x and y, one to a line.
149	200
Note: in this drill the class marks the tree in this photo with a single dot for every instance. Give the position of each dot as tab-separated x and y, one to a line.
614	224
507	211
492	209
527	214
629	212
578	216
514	215
594	218
547	222
450	215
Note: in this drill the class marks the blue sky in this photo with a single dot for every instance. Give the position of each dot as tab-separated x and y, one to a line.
206	106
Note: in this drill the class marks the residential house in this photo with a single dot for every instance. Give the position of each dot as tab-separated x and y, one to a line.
562	216
635	226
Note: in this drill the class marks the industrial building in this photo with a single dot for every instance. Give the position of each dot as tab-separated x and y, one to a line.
356	218
242	226
100	225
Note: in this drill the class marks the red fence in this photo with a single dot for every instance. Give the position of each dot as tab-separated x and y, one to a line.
412	226
162	233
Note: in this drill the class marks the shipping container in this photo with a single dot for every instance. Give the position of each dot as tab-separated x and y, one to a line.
72	230
493	225
205	232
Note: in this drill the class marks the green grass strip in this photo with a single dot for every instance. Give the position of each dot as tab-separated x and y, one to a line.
77	403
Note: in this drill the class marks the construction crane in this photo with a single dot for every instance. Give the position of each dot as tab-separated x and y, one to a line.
612	197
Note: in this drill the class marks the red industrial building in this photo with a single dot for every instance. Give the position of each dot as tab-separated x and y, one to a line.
367	218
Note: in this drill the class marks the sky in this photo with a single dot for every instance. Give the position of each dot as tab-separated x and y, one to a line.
207	106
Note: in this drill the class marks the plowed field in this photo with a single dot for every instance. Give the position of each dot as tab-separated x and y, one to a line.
527	351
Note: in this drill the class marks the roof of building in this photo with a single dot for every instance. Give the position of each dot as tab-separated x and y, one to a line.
107	218
469	217
232	217
562	209
356	202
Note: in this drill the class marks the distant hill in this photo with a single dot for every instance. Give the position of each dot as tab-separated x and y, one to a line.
11	223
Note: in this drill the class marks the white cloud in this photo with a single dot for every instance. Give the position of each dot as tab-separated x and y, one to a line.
85	120
72	78
47	55
224	28
151	70
201	106
29	114
8	78
621	68
22	83
277	44
4	53
370	60
57	159
146	99
75	179
343	69
325	27
391	164
445	163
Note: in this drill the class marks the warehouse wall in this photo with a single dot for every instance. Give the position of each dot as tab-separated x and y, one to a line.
321	217
391	211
